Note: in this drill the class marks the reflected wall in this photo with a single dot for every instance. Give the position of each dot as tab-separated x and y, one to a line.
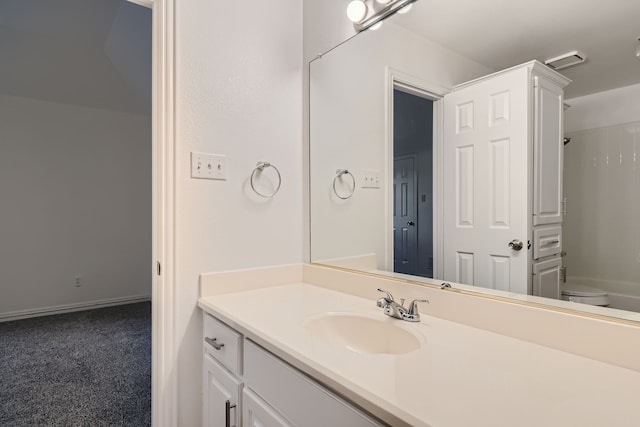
349	106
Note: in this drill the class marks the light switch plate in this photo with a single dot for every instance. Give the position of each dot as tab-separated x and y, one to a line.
208	166
371	179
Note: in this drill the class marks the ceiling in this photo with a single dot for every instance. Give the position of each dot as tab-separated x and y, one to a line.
92	53
503	33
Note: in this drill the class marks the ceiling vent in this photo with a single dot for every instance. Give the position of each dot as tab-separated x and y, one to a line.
566	60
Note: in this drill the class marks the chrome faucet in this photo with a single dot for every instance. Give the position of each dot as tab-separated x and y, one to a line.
393	309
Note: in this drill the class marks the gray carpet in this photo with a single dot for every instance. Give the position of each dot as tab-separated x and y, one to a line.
90	368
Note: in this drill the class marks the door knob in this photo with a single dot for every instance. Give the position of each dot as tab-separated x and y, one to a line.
516	244
411	223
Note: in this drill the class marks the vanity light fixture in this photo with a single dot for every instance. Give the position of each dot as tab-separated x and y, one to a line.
356	11
367	13
405	9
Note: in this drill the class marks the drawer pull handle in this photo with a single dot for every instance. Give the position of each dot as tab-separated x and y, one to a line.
551	242
227	413
214	343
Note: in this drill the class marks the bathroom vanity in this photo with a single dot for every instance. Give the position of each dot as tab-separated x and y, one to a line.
307	346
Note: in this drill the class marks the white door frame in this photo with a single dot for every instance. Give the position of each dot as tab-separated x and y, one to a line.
163	351
396	79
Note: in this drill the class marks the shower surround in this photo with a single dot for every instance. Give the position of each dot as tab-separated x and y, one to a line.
602	227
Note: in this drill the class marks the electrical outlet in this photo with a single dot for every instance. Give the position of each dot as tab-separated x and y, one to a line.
208	166
77	282
371	179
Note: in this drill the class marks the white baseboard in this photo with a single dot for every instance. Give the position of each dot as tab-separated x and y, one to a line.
68	308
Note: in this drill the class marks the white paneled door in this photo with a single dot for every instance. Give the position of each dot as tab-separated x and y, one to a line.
486	158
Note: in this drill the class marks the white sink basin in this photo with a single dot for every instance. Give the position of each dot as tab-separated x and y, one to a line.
362	333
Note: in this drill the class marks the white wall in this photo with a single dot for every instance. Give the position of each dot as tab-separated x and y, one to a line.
95	53
601	182
75	200
608	108
349	126
239	93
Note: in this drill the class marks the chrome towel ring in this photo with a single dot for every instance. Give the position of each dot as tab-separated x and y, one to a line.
258	169
339	174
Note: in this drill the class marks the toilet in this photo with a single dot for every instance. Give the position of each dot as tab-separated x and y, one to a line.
576	292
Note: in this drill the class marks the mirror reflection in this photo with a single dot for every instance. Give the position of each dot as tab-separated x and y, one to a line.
390	107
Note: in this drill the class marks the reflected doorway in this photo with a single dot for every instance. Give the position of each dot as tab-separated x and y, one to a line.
413	118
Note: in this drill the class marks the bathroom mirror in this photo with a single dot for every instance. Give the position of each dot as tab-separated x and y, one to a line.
371	95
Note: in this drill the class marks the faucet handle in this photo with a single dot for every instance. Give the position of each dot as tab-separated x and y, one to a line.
413	307
389	296
411	314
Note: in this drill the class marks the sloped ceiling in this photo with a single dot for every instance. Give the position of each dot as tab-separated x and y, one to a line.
92	53
503	33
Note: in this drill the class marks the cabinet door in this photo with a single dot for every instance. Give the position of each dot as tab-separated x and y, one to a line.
548	148
220	385
303	402
256	413
546	278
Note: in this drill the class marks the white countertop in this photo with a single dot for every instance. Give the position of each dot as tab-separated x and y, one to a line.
461	376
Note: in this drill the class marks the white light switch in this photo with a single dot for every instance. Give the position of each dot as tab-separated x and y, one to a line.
371	179
208	166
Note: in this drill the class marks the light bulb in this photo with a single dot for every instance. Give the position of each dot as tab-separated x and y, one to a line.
356	11
406	9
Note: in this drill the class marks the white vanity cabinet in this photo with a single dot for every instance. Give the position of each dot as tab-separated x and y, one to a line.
246	385
222	383
299	398
258	413
220	387
503	146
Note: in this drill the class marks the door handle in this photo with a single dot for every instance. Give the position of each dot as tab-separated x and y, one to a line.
516	244
227	413
411	223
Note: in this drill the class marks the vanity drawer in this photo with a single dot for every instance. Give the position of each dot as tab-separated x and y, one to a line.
223	344
547	241
298	398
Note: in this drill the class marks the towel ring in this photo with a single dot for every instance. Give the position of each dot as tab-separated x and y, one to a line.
339	174
259	168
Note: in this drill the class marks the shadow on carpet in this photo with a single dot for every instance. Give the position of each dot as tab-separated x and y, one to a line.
89	368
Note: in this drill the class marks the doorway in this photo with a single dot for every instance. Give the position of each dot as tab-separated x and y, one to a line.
61	195
413	183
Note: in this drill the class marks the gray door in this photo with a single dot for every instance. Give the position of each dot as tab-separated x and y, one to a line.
405	229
